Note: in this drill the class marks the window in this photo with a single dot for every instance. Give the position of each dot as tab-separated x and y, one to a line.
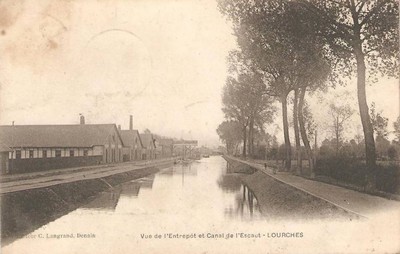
30	153
71	153
18	154
44	152
85	153
58	153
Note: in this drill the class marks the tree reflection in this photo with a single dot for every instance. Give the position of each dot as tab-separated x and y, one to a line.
245	204
229	183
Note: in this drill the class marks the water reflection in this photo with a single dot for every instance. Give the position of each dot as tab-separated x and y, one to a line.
240	200
108	200
245	203
177	197
105	201
146	182
180	169
131	189
229	182
236	167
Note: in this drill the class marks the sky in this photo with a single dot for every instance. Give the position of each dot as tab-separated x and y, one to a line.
384	93
164	62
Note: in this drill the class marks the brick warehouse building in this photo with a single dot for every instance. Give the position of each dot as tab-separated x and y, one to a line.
133	144
42	147
149	146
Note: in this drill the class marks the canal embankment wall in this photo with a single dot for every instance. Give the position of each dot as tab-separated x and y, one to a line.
279	200
24	211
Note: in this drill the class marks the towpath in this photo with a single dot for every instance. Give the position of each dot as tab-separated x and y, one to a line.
362	204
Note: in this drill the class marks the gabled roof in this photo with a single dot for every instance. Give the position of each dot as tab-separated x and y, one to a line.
82	135
147	138
128	137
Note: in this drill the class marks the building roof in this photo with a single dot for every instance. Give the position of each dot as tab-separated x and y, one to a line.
165	141
128	137
186	142
82	135
147	138
4	148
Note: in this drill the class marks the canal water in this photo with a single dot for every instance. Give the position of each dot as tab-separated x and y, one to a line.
179	204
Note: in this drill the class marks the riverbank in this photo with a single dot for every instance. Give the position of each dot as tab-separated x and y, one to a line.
354	202
348	174
24	211
50	178
279	201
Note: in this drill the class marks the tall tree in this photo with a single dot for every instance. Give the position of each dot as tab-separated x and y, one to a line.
262	112
230	133
340	114
261	109
276	46
244	101
312	75
235	106
379	122
358	32
266	50
307	128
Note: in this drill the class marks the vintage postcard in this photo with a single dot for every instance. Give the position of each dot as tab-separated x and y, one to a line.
199	126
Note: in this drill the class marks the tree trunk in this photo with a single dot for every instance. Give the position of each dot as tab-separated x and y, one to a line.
315	154
365	119
337	135
251	137
244	141
296	132
288	153
303	131
228	147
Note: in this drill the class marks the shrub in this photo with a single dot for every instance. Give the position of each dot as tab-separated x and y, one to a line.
350	171
392	152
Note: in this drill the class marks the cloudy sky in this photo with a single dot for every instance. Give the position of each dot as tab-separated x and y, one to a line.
164	62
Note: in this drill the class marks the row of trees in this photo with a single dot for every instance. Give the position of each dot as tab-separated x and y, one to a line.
303	46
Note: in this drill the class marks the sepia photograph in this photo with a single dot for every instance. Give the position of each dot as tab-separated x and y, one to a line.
199	126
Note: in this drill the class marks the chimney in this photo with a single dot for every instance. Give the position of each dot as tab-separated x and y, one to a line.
119	127
82	119
130	122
